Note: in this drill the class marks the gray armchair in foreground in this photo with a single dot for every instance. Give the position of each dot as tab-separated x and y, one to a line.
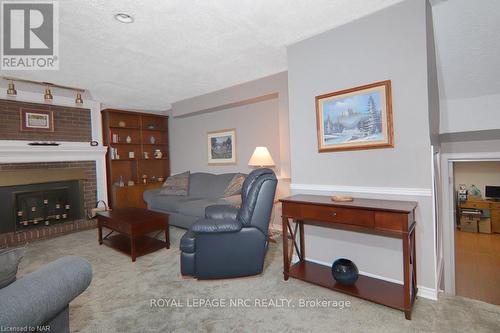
232	242
42	298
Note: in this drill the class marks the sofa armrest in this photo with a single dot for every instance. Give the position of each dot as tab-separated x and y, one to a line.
234	200
38	297
208	226
219	212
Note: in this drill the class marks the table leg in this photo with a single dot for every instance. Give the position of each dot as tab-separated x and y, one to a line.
407	275
286	262
99	231
167	237
302	242
132	248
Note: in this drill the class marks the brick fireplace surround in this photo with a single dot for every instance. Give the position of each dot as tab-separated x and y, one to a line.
89	200
73	130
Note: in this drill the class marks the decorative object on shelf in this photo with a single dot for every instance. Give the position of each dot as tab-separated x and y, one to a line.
158	154
121	123
121	183
37	120
131	154
356	118
342	198
261	158
221	147
152	140
151	126
130	183
43	143
146	155
474	191
161	179
345	271
144	179
128	139
114	153
115	138
462	192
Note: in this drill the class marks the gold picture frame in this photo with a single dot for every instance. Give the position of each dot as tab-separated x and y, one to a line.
356	118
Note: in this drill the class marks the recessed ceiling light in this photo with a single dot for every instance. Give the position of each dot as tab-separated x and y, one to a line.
124	18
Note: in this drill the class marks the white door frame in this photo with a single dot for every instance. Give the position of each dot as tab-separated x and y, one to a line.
448	202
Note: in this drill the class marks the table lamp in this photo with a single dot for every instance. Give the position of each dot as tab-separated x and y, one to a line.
261	158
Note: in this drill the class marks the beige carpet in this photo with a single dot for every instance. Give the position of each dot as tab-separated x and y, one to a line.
119	298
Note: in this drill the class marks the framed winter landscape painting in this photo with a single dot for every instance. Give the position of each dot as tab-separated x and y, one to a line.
356	118
222	147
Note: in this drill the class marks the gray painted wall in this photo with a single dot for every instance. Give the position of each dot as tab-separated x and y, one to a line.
256	125
235	106
432	79
390	44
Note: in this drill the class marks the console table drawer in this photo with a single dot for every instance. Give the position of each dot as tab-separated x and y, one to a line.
475	204
359	217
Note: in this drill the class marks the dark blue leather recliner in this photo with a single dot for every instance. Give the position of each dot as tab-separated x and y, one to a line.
232	242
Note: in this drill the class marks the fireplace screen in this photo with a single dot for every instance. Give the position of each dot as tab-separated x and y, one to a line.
43	207
34	205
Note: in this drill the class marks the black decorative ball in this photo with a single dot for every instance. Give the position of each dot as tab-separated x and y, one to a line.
345	271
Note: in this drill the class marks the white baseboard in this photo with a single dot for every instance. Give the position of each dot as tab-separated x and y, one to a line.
424	292
426	192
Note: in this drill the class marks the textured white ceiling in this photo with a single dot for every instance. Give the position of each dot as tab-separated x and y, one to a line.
467	37
177	49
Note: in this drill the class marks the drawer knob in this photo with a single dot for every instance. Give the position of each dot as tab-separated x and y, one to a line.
334	214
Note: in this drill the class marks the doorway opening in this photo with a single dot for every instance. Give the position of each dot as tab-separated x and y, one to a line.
476	232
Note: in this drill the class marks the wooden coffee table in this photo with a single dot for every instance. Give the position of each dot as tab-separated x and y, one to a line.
132	226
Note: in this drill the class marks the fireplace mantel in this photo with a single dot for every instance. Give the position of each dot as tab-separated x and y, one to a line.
21	152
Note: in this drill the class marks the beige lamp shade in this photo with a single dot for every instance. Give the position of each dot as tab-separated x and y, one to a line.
261	157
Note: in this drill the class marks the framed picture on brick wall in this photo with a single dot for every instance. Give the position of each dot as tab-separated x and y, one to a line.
37	120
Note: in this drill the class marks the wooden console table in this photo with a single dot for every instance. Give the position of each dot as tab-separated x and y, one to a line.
380	217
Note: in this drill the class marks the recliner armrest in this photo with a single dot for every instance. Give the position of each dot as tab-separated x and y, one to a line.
208	226
221	212
37	297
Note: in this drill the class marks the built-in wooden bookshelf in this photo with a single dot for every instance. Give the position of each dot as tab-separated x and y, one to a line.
132	139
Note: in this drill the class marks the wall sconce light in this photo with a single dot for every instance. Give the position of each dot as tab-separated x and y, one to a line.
48	95
11	91
78	99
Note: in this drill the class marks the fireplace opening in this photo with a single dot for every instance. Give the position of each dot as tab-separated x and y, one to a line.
52	203
41	204
32	198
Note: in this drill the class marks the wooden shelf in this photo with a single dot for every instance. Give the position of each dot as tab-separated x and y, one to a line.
138	144
138	159
133	168
125	128
125	144
156	129
374	290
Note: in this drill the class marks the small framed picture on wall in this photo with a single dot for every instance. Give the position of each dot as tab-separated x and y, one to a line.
221	147
37	120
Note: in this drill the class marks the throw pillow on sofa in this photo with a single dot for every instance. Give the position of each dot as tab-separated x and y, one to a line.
234	186
9	262
176	185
